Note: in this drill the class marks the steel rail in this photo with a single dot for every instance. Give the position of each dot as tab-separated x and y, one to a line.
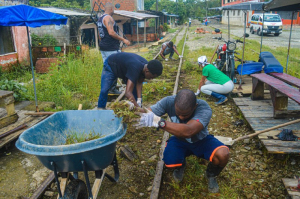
160	164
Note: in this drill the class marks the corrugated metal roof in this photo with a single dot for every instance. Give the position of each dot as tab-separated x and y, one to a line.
279	5
64	12
135	15
257	6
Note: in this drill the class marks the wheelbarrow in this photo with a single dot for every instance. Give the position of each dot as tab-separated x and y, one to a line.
47	139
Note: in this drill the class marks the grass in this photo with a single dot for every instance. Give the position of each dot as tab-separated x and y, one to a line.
75	81
74	137
171	30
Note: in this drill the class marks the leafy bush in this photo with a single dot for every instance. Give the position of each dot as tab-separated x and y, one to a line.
46	40
77	81
165	27
19	90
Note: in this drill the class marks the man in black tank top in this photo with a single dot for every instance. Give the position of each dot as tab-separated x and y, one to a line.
109	37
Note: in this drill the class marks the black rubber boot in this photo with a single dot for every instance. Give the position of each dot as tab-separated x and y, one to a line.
113	89
212	172
178	173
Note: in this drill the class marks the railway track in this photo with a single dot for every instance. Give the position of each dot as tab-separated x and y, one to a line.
160	164
159	169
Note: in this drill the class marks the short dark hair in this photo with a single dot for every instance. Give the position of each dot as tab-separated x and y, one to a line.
185	99
155	67
171	44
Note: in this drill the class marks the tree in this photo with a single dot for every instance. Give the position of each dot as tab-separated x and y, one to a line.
148	4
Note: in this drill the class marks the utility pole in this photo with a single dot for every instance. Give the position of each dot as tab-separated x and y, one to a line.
156	5
206	9
177	7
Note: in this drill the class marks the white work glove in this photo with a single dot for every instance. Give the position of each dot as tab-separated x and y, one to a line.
147	120
166	59
139	102
130	105
198	92
180	56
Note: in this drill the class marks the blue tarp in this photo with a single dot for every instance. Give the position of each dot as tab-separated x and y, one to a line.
23	15
250	68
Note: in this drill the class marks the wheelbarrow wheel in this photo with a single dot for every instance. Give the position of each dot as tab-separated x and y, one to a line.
76	189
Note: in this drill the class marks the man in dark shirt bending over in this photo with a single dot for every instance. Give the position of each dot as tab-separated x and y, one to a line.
133	69
189	120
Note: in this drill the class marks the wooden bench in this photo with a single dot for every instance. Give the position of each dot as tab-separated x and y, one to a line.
294	81
7	100
280	91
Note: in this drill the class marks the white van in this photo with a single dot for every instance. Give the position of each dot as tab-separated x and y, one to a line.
272	24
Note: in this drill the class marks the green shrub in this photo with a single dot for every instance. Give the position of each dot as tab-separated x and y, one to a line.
165	27
46	40
76	81
19	90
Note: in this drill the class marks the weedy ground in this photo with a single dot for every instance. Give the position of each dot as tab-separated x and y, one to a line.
250	173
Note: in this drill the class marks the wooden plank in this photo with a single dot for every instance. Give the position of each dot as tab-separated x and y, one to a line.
280	143
288	183
257	89
294	81
97	185
22	120
63	184
43	186
258	124
246	101
282	150
273	134
7	120
30	121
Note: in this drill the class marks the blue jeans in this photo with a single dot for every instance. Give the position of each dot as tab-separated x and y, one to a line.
169	51
106	54
107	80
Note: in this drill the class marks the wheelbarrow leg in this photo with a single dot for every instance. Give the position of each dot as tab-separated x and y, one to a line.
56	179
100	174
87	179
116	170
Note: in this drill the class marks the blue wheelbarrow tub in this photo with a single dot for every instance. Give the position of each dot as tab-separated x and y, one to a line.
46	140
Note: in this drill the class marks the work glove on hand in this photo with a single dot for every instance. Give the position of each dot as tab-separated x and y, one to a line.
180	56
130	105
139	102
147	120
166	59
198	92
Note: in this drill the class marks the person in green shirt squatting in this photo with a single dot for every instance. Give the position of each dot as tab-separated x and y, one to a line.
214	82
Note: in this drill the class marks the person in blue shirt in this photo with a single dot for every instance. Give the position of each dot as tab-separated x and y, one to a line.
133	70
189	126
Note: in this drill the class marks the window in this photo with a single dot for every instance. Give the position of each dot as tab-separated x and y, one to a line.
233	13
6	40
239	12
